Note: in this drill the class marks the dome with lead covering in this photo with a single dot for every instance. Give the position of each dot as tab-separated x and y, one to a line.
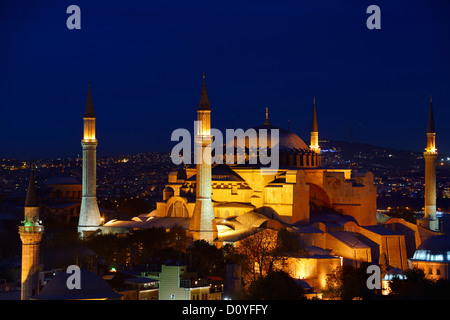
436	248
92	286
287	140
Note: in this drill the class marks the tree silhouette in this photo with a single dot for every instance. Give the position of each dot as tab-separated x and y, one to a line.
276	285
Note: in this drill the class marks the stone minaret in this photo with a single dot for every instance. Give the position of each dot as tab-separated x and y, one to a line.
267	122
89	220
203	225
31	233
430	156
314	131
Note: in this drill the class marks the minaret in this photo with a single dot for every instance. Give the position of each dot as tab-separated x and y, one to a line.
267	122
31	233
89	220
430	156
314	131
203	224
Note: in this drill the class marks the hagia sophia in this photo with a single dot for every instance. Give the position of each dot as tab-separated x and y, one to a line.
334	211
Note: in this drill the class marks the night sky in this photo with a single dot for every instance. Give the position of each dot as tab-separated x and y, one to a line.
144	60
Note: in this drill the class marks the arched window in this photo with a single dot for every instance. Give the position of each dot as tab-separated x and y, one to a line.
178	210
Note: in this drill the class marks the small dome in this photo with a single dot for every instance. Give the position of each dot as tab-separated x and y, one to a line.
167	193
168	189
436	248
92	286
252	219
394	273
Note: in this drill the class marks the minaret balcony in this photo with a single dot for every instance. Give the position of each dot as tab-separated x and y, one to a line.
430	152
31	229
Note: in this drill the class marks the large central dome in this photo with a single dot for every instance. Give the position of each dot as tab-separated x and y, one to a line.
293	151
287	139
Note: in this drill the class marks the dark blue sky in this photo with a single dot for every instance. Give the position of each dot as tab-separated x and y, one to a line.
145	60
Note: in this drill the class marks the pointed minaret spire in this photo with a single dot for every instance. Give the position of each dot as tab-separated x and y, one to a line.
430	219
314	127
314	146
431	118
89	219
203	103
267	122
89	110
31	199
31	233
203	225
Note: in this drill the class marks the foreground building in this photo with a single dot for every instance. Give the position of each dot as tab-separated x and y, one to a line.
433	257
92	287
176	283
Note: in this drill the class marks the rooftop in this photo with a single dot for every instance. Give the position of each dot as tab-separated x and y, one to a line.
92	286
349	239
436	249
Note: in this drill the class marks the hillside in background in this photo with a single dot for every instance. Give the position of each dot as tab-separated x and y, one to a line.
399	174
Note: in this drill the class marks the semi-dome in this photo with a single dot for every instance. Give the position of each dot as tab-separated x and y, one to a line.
436	248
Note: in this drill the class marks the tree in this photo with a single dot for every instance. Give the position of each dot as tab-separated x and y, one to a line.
262	252
276	285
111	248
416	286
151	241
334	284
347	282
403	213
206	259
384	265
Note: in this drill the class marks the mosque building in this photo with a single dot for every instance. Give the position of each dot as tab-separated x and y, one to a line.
333	211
